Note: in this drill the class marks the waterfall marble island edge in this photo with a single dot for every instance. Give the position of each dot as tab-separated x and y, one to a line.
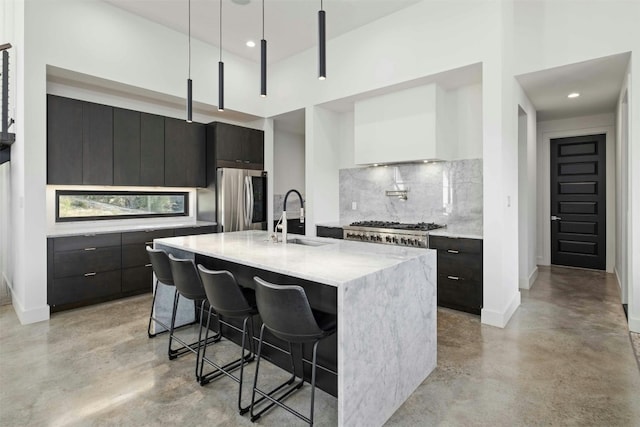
386	307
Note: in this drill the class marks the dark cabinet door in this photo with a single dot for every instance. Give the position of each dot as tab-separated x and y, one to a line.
97	144
126	147
230	141
151	150
184	149
254	147
64	140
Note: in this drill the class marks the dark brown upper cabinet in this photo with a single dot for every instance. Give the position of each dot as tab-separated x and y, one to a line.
126	147
64	140
97	144
236	146
79	142
151	150
184	153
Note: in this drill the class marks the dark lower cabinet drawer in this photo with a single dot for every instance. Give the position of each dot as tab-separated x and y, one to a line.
145	237
137	279
93	260
459	293
464	265
332	232
87	241
135	255
84	288
455	245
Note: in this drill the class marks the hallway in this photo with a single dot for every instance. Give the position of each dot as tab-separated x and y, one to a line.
564	359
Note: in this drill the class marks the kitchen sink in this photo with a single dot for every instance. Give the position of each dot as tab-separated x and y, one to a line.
305	242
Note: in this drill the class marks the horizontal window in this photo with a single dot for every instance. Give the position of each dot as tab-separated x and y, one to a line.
74	205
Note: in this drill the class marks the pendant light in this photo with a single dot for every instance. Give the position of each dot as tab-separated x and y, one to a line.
322	63
263	60
220	69
189	83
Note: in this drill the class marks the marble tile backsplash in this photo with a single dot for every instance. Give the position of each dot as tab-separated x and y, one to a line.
441	192
293	206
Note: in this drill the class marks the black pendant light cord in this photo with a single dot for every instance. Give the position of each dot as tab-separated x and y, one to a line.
322	53
189	82
263	60
220	70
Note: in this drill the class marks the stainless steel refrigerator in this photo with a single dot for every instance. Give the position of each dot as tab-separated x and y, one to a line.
242	199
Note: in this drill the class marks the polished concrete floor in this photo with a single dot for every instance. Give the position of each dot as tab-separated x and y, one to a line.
564	359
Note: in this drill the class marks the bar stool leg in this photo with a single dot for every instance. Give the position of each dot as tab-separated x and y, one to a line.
269	395
173	353
313	379
153	303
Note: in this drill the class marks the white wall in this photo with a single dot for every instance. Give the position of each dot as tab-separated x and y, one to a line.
508	38
6	263
322	153
289	161
464	109
527	191
622	190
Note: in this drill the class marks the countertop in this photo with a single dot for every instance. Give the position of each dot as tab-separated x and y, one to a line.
65	229
464	230
334	263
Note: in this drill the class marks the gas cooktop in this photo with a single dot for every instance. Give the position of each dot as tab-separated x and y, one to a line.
391	232
420	226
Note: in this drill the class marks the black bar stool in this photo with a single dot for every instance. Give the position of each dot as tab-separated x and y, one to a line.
286	313
226	298
160	265
188	285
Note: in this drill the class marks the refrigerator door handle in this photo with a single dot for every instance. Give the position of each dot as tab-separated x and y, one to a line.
247	201
251	200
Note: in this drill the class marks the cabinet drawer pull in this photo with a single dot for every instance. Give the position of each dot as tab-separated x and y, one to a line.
149	230
90	235
453	251
89	249
89	274
147	265
453	277
238	161
148	243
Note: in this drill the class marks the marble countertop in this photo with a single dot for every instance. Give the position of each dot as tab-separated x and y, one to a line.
463	230
78	228
334	263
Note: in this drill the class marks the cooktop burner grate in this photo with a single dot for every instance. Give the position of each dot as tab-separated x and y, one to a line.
420	226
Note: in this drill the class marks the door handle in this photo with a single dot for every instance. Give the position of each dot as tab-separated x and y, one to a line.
555	218
247	200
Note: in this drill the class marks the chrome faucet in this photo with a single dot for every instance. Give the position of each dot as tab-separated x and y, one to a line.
282	224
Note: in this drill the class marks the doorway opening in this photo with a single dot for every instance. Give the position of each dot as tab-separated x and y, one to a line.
578	201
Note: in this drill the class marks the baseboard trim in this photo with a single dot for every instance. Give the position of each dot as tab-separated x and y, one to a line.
500	319
33	315
634	324
527	283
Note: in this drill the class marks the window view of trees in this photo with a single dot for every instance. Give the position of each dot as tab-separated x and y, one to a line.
82	205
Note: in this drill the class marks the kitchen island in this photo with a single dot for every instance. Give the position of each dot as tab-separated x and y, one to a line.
385	300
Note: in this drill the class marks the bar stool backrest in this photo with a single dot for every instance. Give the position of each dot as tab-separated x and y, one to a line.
224	293
286	312
160	265
186	278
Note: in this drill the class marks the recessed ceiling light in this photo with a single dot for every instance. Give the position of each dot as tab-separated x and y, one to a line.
251	43
425	161
573	95
375	164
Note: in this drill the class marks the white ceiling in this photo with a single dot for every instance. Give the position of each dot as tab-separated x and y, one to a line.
598	81
291	26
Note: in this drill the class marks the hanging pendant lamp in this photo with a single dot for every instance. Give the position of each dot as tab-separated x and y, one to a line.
263	60
322	52
189	82
220	69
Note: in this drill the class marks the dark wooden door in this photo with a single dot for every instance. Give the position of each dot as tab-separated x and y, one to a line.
126	147
578	202
184	150
97	144
64	140
151	150
230	141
